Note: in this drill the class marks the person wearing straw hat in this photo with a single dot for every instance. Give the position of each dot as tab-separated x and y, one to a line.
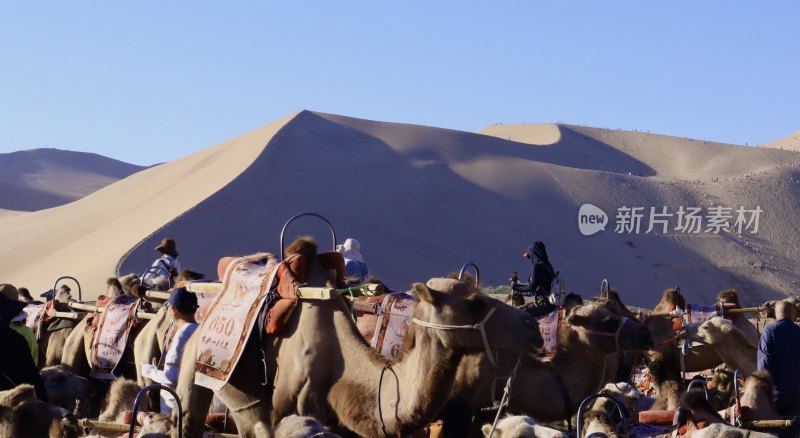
17	366
163	271
182	307
18	322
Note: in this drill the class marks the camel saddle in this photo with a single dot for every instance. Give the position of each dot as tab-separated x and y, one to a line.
292	273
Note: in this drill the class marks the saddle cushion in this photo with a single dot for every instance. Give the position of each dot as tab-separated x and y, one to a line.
292	274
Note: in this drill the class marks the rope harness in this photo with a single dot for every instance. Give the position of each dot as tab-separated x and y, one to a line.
622	322
479	327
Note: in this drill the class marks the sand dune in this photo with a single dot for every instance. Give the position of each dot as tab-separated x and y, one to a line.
791	143
44	178
424	200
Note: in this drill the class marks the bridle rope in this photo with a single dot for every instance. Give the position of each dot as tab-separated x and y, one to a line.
479	327
622	322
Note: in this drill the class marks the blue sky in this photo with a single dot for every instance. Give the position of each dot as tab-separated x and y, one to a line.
148	81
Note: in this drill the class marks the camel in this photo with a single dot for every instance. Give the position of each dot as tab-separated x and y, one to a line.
78	350
757	395
719	430
53	335
121	397
295	426
338	377
596	425
666	356
729	296
65	388
520	426
732	345
23	415
576	371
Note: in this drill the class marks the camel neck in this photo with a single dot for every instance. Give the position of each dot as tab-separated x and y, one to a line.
412	390
570	362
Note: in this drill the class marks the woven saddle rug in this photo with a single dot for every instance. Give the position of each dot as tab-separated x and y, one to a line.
112	334
392	325
36	313
229	320
548	327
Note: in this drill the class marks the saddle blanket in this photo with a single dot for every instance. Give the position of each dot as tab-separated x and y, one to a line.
35	315
392	325
230	318
111	337
700	314
548	327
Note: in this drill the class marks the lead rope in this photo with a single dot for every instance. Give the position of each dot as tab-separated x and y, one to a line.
506	396
388	366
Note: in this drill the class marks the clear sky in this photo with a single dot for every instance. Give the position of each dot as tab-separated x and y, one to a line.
149	81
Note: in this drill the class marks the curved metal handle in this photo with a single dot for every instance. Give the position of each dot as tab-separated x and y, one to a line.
736	375
67	277
147	389
620	408
695	382
477	273
604	288
297	216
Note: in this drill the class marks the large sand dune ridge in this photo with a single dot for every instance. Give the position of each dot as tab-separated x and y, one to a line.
424	200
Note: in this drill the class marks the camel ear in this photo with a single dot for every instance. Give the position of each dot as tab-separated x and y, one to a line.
425	294
577	320
486	429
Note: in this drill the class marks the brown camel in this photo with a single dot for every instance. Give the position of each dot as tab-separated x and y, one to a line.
666	356
732	345
121	397
757	395
729	296
576	371
78	351
23	415
520	426
53	334
64	388
330	377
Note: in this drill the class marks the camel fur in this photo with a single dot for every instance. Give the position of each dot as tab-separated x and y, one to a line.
568	368
732	345
335	377
23	415
520	426
64	388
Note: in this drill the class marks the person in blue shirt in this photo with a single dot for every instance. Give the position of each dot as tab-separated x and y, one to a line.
777	353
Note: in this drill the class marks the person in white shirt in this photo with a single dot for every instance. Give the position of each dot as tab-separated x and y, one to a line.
182	306
164	270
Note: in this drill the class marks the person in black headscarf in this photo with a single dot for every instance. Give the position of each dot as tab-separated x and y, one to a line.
542	274
17	366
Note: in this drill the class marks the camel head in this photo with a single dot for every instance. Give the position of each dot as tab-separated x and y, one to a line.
603	331
64	386
63	294
671	299
113	288
715	331
446	303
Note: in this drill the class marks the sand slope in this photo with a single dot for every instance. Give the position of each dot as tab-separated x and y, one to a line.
44	178
791	143
424	200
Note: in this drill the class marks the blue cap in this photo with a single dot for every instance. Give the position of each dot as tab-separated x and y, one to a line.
183	299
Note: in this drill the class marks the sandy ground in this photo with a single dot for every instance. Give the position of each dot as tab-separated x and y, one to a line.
425	200
791	143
